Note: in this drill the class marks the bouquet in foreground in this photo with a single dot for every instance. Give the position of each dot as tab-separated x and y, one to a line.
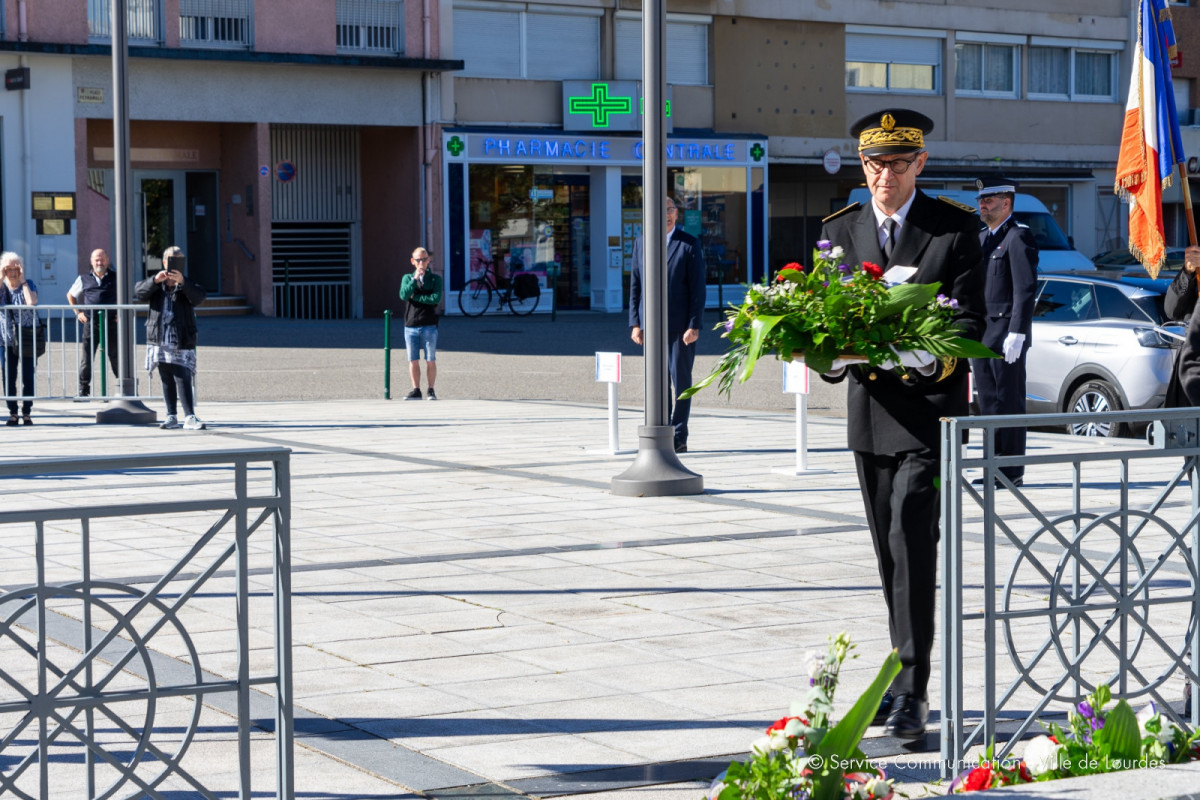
836	310
806	756
1097	740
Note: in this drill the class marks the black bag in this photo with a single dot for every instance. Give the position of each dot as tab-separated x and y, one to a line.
526	285
33	339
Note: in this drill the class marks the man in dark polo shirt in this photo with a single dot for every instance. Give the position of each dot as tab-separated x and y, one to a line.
98	287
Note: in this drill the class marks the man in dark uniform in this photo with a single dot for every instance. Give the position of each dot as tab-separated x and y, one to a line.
892	421
1010	259
686	293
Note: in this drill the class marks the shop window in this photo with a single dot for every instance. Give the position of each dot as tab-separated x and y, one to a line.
215	23
987	69
507	43
142	20
893	63
687	49
1072	73
370	26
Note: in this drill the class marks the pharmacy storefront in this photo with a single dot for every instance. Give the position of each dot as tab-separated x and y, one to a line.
568	208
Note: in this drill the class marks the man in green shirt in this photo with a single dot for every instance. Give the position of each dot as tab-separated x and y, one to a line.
422	291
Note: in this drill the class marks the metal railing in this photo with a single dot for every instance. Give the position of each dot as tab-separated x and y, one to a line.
144	20
103	686
216	23
370	26
56	375
1056	588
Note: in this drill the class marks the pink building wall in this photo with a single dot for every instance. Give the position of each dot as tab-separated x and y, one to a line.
62	21
296	26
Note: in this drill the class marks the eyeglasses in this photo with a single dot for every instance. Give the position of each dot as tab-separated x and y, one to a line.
672	210
419	260
898	166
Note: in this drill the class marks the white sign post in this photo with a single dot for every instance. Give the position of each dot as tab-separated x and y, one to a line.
796	376
608	370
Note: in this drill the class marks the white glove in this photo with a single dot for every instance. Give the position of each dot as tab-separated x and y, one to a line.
838	367
1013	343
920	360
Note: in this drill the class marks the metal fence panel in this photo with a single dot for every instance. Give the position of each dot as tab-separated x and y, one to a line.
1090	580
106	687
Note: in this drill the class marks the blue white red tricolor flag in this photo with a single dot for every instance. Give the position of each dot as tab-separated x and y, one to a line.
1150	143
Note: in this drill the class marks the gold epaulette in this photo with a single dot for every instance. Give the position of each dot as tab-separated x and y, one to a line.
956	204
842	211
949	364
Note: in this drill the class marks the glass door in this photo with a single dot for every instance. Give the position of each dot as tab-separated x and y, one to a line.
158	219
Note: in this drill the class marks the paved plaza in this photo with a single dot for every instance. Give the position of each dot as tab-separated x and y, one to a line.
476	614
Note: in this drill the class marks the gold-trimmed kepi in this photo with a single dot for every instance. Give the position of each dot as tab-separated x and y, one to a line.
892	130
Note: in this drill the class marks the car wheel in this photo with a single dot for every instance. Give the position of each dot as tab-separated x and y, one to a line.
1095	398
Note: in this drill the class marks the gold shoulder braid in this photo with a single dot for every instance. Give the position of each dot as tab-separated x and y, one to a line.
949	364
841	211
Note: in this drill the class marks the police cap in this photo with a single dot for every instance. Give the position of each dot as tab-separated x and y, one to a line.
892	130
995	184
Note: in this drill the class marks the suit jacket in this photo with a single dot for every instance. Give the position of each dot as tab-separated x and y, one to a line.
1010	285
887	414
686	290
1179	303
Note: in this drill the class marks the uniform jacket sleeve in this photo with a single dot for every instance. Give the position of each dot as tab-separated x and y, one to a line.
1023	263
697	291
635	286
1180	298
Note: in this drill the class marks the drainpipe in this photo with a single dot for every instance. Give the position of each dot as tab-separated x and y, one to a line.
426	131
22	27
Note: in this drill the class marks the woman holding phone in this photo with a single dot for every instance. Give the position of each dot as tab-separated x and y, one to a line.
171	335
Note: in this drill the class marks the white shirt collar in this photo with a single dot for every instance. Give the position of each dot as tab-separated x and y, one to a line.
899	216
1001	225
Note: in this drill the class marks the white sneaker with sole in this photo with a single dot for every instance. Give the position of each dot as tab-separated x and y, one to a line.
192	423
170	423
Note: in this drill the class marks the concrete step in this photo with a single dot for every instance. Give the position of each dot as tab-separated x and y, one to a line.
224	305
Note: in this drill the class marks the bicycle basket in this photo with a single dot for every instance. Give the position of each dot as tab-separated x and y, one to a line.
526	285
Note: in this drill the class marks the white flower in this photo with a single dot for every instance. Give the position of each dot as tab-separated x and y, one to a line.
836	253
816	665
1166	729
764	745
1041	755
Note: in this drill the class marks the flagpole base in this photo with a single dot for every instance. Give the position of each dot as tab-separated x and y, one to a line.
126	412
657	471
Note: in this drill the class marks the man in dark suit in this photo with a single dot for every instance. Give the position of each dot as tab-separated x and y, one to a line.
1010	259
685	308
893	420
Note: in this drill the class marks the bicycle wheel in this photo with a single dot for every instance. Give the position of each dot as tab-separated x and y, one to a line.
523	306
475	298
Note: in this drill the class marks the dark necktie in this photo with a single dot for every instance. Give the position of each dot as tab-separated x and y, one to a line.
889	244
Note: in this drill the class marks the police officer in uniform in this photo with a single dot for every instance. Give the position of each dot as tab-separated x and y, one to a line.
893	421
1010	258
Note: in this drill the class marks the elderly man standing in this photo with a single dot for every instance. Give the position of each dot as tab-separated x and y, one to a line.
1010	258
892	421
98	287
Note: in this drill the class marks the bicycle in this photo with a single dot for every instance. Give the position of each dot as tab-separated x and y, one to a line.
476	297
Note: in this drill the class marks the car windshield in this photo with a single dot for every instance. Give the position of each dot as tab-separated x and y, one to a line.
1045	230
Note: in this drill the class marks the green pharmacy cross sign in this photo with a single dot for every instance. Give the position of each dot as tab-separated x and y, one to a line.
757	151
456	146
600	105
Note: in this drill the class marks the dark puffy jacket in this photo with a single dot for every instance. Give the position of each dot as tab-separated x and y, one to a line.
189	295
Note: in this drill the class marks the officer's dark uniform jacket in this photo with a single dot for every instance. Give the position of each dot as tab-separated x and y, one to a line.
1179	303
1011	282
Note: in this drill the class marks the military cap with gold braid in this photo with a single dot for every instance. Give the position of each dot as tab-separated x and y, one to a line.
892	130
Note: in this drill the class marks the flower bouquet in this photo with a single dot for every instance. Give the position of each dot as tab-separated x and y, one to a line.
1097	741
806	756
835	310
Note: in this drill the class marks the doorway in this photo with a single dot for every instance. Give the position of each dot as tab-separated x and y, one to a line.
178	208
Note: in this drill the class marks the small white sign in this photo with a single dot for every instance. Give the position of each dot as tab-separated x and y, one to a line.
608	367
832	161
795	377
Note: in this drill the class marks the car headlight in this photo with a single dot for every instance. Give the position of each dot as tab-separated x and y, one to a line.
1150	337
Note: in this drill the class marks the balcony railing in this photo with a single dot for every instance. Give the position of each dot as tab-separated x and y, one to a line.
143	17
370	26
216	23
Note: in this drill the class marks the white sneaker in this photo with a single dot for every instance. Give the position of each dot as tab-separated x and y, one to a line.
169	423
192	423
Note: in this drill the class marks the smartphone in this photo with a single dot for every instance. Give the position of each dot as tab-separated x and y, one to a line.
176	262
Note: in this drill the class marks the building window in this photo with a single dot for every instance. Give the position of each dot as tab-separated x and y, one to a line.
986	68
370	26
215	23
687	48
503	42
142	20
881	62
1072	73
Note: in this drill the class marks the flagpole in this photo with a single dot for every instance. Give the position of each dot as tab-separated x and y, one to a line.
1186	188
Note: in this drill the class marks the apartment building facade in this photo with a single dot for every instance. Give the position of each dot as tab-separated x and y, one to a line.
286	145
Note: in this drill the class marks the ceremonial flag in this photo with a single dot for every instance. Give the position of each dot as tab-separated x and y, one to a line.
1150	143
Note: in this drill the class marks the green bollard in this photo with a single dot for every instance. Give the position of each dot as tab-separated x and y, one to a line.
102	364
387	354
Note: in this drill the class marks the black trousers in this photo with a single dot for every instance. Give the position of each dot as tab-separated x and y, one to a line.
1001	390
10	380
680	358
91	341
901	497
177	388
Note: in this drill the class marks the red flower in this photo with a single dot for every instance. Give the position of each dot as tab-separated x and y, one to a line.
978	778
874	270
782	722
779	277
795	266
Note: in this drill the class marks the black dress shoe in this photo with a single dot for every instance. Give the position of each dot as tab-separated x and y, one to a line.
909	717
680	447
886	704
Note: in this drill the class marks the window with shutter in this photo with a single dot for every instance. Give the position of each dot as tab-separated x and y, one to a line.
562	47
489	42
687	51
